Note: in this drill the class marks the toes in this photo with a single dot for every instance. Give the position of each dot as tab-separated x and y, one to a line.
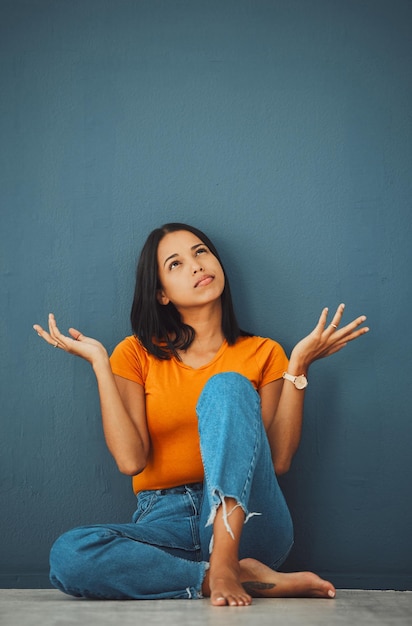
218	601
237	601
230	600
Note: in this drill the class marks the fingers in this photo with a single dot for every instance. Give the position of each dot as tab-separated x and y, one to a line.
337	318
44	335
346	331
352	330
339	338
55	334
352	333
321	326
54	337
76	334
323	317
47	336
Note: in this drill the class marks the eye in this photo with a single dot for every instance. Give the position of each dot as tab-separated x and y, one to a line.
173	264
201	251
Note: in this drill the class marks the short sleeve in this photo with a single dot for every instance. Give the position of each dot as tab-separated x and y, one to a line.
272	361
128	360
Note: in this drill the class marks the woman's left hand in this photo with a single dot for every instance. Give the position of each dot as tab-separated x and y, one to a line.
327	339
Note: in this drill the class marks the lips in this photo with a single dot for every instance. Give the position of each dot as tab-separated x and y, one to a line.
204	281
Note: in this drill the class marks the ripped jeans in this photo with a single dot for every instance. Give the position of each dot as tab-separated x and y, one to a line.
164	551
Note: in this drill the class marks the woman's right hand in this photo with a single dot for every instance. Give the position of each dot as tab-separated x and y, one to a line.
77	344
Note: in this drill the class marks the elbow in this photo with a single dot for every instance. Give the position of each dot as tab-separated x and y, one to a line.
133	461
130	469
283	462
282	467
131	466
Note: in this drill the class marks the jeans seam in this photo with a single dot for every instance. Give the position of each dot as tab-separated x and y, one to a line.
147	510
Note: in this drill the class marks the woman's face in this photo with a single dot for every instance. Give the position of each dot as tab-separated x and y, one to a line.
190	275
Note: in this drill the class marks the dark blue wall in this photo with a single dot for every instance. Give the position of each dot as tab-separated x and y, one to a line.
283	129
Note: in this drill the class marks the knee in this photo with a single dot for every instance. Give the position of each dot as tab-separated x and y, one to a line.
228	395
229	384
70	559
228	379
228	387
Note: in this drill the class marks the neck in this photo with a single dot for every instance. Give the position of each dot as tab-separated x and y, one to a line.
206	322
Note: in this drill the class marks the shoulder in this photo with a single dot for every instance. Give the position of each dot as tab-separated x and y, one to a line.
256	343
130	359
260	359
128	346
268	356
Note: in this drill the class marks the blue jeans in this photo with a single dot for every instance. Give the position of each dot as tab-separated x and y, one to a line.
164	551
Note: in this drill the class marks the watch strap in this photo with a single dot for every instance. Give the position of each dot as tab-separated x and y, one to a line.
300	381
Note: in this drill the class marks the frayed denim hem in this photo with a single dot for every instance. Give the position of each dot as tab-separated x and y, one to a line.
219	499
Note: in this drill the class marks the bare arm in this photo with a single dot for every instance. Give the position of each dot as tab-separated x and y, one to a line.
282	403
122	401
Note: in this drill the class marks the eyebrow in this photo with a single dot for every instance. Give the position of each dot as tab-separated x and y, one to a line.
172	256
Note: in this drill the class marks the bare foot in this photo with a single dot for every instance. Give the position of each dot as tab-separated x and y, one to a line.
262	582
222	583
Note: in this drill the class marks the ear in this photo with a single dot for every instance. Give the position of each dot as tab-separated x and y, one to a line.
162	297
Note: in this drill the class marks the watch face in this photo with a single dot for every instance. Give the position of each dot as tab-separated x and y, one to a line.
301	382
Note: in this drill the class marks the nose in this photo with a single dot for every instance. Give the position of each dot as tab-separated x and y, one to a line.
197	268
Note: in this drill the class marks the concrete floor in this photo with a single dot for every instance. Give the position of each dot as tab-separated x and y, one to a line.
46	607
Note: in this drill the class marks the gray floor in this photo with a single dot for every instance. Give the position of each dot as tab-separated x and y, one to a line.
45	607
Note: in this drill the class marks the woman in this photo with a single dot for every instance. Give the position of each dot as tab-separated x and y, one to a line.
203	416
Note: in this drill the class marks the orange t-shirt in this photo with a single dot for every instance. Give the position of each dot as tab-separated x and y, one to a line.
172	390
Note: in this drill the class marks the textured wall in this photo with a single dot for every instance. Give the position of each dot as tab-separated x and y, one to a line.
283	129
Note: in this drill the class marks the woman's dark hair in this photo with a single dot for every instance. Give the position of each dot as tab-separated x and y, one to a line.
159	327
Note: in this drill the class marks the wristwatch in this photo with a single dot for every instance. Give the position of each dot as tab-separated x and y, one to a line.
300	381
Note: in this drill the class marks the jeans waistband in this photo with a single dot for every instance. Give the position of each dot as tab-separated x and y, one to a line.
178	489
